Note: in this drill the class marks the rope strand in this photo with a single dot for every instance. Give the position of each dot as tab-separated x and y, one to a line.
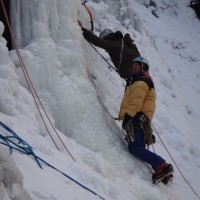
27	149
31	87
175	162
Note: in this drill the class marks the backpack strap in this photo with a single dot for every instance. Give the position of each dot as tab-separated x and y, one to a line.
121	54
148	81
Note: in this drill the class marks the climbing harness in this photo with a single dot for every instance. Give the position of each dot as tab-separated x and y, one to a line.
121	54
33	92
13	141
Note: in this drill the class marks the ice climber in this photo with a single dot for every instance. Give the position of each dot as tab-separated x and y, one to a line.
121	49
137	110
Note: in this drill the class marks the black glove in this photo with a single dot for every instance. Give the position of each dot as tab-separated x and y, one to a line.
127	125
84	29
86	33
127	121
116	36
128	40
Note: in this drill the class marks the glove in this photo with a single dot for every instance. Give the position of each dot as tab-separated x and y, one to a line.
86	33
117	35
127	121
127	125
128	40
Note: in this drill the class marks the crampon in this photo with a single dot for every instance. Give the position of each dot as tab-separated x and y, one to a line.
165	175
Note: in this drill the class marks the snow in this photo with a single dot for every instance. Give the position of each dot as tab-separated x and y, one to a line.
61	65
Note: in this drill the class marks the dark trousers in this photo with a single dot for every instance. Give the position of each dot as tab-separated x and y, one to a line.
137	148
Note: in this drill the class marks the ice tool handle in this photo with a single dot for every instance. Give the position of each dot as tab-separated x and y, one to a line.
90	15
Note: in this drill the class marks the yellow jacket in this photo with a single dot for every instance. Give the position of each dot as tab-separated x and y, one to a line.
138	98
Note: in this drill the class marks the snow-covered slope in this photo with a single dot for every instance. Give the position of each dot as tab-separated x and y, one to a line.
61	65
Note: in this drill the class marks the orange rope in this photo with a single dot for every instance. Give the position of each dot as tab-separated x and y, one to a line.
31	87
175	163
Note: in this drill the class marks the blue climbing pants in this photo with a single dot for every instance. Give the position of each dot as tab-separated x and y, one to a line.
138	149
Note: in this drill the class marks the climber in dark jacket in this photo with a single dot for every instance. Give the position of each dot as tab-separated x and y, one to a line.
121	49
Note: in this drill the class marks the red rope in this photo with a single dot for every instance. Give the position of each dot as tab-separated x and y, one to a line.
31	87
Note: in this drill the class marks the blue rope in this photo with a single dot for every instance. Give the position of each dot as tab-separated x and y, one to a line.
16	143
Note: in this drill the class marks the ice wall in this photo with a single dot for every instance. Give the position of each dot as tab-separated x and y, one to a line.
34	19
